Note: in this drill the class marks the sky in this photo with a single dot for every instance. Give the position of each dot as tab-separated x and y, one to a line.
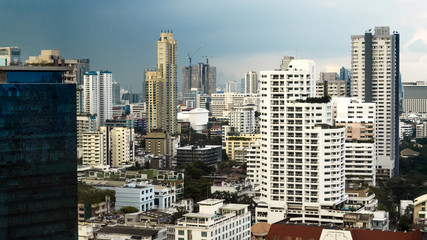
239	35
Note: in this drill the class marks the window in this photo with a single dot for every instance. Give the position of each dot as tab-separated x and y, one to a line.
204	234
180	232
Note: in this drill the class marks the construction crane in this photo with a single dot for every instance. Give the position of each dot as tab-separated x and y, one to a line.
191	56
207	59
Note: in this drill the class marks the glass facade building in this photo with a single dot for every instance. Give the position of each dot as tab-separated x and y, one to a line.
38	165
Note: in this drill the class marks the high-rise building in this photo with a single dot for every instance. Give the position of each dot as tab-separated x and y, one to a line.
97	95
360	156
85	123
242	119
166	65
38	164
301	164
201	76
414	97
251	82
80	66
154	100
117	100
375	78
10	56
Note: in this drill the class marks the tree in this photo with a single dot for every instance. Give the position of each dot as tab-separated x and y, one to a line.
177	215
128	209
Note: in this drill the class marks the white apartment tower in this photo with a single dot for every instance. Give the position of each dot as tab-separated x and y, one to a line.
242	119
360	156
301	170
375	78
98	95
251	82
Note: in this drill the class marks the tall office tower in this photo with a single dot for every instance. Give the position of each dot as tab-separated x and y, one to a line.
154	100
302	154
375	78
360	156
97	95
38	177
166	65
10	56
201	76
251	82
116	94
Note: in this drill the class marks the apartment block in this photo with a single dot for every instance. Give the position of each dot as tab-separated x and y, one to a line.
375	64
215	220
243	140
242	119
301	169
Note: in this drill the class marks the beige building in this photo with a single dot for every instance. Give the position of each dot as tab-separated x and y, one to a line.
234	144
10	56
46	57
109	146
156	143
86	211
166	65
122	145
85	123
154	100
420	209
94	148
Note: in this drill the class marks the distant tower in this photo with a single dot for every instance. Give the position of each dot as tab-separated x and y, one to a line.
202	77
154	100
97	95
375	78
166	65
251	82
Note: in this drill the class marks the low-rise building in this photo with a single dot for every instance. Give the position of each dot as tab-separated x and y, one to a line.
234	143
361	199
164	196
148	217
86	211
140	196
125	233
420	209
209	154
215	220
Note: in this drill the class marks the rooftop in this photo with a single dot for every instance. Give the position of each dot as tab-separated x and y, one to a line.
128	231
210	201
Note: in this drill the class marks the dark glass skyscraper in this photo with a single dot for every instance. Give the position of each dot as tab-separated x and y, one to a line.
38	185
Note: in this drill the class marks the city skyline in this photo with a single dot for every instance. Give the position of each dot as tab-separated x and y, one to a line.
121	37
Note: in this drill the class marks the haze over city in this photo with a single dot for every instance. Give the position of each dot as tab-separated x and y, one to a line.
240	35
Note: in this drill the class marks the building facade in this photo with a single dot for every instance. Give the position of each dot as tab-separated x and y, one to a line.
375	78
209	154
251	82
10	56
38	183
201	76
97	95
215	220
166	65
301	169
414	98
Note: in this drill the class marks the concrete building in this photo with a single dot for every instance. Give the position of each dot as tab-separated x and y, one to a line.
166	65
243	140
97	95
10	56
117	98
80	66
330	87
358	118
301	170
164	196
405	130
85	123
420	210
242	119
122	145
86	211
157	142
285	62
125	233
138	195
251	82
201	76
111	146
414	97
195	99
215	220
154	100
46	58
209	154
421	130
361	198
94	148
375	64
222	102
